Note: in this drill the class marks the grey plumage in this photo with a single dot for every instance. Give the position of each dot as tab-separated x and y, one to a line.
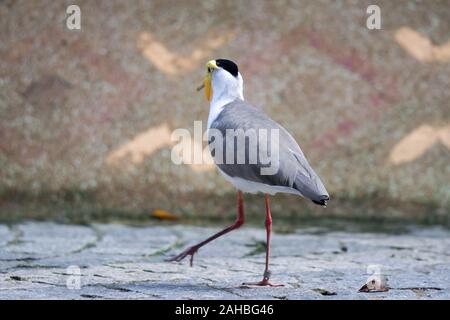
294	170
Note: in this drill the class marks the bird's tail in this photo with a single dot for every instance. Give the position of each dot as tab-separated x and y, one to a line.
323	201
312	188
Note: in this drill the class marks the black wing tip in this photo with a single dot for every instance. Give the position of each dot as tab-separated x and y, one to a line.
322	201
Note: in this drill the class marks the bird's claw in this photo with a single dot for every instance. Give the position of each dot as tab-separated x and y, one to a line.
264	282
188	252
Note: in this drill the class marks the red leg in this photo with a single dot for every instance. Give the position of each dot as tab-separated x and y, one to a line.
239	222
265	281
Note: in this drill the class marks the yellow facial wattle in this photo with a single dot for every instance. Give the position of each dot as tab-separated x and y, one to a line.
206	84
208	87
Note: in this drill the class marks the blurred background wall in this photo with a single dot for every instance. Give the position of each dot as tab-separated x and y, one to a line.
86	115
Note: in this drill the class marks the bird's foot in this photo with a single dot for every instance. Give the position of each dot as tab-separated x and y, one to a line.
263	283
188	252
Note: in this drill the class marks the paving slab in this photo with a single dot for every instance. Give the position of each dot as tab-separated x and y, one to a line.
42	260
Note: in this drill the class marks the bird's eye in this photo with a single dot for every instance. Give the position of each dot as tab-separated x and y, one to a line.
209	70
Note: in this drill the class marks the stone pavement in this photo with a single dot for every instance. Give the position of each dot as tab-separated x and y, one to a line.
111	261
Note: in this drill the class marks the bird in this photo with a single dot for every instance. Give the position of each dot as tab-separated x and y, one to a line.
223	86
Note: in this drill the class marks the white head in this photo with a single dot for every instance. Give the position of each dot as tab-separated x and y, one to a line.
223	82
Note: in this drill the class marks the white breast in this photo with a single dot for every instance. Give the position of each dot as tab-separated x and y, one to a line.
225	89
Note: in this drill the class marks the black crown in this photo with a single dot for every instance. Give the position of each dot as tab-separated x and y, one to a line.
228	65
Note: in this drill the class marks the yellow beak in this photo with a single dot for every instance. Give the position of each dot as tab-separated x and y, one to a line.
210	67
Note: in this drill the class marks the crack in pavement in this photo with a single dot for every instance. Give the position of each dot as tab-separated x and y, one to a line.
175	245
98	237
24	279
224	289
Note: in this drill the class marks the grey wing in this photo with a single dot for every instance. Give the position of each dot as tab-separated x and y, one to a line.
292	168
